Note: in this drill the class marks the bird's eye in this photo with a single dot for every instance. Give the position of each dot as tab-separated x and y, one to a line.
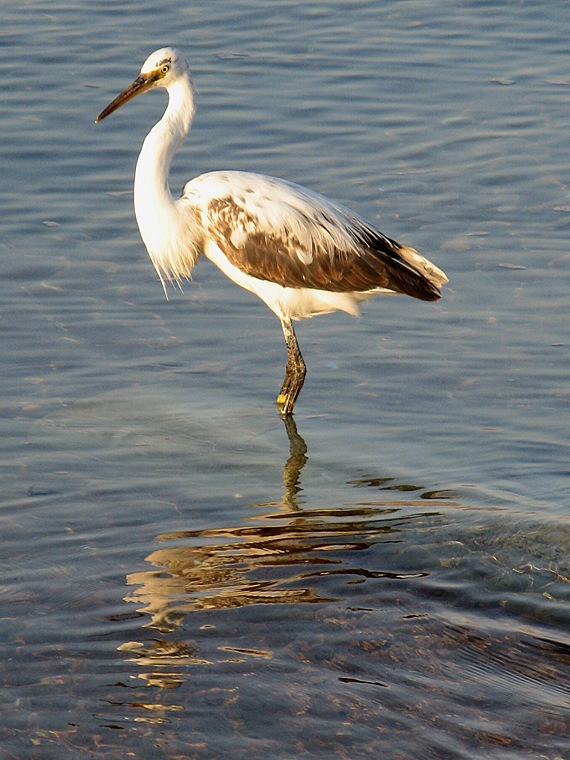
165	69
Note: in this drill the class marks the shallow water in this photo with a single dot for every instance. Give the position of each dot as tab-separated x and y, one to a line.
184	576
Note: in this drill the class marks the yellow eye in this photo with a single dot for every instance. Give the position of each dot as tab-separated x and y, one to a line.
165	69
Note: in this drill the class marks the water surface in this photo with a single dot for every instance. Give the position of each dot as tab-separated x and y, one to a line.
183	575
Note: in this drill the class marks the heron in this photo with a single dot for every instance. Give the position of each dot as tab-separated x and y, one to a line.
298	251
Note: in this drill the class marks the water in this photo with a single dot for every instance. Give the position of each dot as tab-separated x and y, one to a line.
181	574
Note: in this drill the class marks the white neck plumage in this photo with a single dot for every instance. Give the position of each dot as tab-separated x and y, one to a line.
160	219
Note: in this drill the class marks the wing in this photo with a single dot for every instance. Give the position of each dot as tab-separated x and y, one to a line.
277	231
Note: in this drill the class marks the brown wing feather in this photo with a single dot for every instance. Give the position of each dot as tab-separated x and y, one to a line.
369	261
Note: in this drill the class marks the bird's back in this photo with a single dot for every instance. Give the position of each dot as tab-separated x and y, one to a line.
281	232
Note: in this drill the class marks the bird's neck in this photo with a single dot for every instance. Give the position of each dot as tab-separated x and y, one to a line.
159	217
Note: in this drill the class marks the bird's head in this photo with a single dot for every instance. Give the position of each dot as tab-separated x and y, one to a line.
161	69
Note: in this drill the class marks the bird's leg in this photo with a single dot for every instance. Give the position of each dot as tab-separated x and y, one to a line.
295	371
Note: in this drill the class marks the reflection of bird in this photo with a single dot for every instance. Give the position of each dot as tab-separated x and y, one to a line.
299	252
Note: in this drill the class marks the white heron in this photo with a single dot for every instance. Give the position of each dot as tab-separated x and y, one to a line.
301	253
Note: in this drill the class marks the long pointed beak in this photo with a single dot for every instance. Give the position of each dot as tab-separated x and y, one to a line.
141	84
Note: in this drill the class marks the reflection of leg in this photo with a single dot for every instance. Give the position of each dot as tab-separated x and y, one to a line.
295	463
294	372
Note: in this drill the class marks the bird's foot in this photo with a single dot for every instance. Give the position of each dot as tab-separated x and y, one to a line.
285	404
289	391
